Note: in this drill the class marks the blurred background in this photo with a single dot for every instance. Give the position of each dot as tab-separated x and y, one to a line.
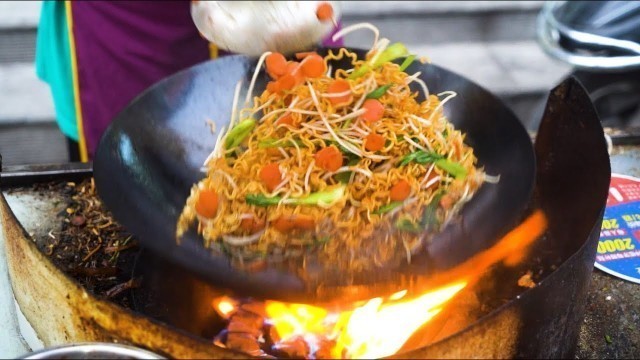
491	42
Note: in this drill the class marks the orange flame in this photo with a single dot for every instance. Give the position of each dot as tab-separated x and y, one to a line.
225	306
511	249
381	327
377	329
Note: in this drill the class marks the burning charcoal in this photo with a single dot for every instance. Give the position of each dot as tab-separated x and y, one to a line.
246	322
294	348
526	281
324	349
241	327
244	343
273	335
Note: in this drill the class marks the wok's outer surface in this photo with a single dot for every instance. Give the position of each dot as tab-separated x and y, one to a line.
151	154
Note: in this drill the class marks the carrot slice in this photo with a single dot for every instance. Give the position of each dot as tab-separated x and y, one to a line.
271	176
324	11
276	64
273	87
273	76
251	224
293	68
329	158
302	55
338	87
374	112
304	222
294	222
283	224
446	201
207	204
286	119
313	66
374	142
287	82
400	191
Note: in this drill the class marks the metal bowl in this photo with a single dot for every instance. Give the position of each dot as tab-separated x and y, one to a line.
93	351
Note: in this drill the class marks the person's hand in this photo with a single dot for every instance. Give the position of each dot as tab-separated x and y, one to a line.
253	27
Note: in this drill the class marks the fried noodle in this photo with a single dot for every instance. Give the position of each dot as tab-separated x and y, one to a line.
354	228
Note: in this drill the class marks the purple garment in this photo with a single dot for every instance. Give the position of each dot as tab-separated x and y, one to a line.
330	43
123	47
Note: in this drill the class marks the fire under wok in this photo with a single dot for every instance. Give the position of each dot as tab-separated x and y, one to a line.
152	153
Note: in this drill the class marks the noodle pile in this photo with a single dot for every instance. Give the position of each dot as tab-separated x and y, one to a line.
349	216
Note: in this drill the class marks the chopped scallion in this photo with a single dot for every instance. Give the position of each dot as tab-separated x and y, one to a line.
377	93
240	132
407	62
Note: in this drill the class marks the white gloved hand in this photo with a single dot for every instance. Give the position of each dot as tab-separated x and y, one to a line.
253	27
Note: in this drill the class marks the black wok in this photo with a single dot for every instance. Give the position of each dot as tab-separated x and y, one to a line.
150	156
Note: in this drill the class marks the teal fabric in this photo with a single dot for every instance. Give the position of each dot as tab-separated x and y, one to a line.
53	64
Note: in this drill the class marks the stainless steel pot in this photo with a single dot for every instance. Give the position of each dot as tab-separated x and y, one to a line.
93	351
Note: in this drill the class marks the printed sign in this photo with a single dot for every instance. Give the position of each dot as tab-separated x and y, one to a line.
619	246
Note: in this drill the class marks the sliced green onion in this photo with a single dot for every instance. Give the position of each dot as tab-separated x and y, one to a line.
424	157
392	52
377	93
420	157
407	225
262	200
344	177
272	143
359	72
240	132
386	208
326	197
429	220
408	61
429	216
453	168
